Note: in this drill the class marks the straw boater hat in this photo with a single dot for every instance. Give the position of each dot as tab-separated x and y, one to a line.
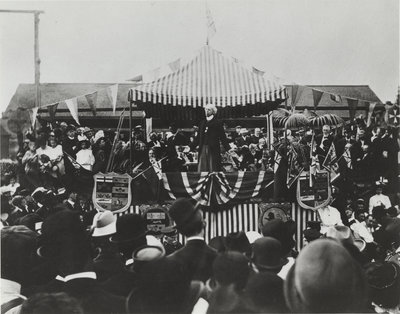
104	224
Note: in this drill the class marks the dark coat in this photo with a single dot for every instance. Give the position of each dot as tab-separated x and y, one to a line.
212	133
70	146
197	257
122	283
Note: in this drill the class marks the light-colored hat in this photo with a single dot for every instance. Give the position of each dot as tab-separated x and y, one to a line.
104	223
98	135
243	131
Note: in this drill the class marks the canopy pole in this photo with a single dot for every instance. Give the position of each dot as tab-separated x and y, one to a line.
130	137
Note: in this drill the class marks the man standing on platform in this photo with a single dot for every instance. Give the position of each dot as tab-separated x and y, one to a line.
211	135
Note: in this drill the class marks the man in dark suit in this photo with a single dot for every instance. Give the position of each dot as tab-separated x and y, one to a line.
211	135
196	256
70	142
323	143
243	139
72	202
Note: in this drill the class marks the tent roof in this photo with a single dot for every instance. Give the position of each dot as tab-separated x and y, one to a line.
210	77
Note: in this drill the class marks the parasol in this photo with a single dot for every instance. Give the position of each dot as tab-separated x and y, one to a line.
279	117
326	119
297	121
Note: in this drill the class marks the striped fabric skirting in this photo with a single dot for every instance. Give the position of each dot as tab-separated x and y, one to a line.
244	217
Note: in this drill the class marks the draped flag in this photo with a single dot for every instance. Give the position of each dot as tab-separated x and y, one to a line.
33	114
52	111
294	168
352	107
175	65
211	29
317	95
112	92
371	108
220	188
331	162
72	105
92	101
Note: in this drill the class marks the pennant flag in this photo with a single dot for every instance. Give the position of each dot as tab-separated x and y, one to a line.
211	29
313	169
331	162
352	107
137	79
347	157
112	92
317	95
257	71
52	111
72	105
297	90
336	98
33	114
277	161
92	101
175	65
371	108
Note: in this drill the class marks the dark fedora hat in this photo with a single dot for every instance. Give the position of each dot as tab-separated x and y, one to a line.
129	227
183	211
268	255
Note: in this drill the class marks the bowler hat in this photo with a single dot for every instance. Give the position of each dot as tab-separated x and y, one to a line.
129	227
311	234
267	254
183	212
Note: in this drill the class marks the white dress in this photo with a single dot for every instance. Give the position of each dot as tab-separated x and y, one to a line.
85	158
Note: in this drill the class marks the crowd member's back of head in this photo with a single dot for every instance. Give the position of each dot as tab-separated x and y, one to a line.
18	246
282	231
65	242
188	219
326	279
49	303
163	287
264	294
384	285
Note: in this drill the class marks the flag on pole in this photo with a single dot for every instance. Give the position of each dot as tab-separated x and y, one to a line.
313	169
92	101
270	131
112	92
72	105
347	157
277	161
211	29
294	168
331	162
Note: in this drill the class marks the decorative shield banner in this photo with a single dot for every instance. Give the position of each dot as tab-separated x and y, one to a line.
112	191
316	196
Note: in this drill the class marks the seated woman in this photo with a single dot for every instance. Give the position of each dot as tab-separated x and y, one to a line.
84	156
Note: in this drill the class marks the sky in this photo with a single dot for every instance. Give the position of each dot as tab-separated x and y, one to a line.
308	42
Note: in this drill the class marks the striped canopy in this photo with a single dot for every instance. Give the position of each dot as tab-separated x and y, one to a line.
209	77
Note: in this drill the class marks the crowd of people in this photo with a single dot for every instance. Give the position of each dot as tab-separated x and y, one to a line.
115	265
60	255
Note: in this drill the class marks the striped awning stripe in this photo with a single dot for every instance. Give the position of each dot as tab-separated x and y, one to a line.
210	77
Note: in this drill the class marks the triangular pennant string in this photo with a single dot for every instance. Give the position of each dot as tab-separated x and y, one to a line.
52	111
92	101
317	95
33	114
112	92
352	107
72	105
